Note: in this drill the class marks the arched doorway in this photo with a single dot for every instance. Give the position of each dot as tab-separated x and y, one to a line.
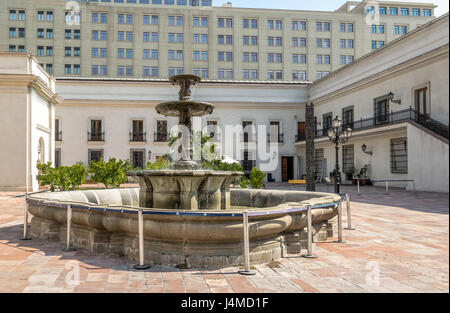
41	151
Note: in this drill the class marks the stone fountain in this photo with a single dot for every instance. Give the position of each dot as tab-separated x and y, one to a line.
184	186
191	217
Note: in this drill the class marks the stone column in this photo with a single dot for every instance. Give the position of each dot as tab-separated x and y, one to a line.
310	149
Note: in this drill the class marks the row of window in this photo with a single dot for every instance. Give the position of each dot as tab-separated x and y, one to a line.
194	3
197	21
153	71
178	38
396	11
198	55
398	29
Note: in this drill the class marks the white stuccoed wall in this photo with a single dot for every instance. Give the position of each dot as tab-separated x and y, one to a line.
427	161
27	113
118	103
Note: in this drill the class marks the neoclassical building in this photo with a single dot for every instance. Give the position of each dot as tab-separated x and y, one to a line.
394	98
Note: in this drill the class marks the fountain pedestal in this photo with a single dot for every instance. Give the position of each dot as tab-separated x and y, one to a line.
185	190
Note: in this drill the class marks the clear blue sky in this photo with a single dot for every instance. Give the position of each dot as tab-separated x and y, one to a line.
317	5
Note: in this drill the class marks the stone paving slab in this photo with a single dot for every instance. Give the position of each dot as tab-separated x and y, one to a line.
400	244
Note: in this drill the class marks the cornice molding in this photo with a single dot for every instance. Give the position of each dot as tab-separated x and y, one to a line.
422	60
33	81
153	103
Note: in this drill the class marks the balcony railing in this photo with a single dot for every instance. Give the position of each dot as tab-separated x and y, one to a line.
276	138
97	136
300	137
161	137
248	165
58	136
138	137
388	119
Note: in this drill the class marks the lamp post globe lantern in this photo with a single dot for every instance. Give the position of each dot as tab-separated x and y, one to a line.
338	136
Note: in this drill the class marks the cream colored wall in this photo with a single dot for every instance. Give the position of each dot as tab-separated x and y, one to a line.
434	74
42	119
427	161
420	59
27	107
117	104
379	162
13	153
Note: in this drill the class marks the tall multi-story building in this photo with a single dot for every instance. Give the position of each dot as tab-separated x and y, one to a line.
160	38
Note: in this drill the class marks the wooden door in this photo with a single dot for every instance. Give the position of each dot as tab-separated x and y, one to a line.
301	131
96	130
284	169
287	169
138	130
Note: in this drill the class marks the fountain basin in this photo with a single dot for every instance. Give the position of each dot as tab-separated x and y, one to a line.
106	221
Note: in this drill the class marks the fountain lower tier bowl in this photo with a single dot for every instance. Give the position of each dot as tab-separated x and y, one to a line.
106	221
185	189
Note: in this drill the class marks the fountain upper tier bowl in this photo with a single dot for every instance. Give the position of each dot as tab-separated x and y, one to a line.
175	108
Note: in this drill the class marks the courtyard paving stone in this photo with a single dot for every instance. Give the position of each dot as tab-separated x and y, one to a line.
401	244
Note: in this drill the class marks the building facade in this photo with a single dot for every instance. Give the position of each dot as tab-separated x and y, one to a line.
103	119
27	115
161	38
396	100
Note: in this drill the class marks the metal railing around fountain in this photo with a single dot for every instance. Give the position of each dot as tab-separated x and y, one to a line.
130	209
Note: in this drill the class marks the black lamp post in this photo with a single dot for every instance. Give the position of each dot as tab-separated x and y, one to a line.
338	136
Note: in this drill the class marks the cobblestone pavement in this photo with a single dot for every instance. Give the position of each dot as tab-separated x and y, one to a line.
400	245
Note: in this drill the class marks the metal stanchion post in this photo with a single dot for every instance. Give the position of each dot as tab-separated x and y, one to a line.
349	213
247	270
68	246
310	236
357	182
25	220
141	265
340	223
387	187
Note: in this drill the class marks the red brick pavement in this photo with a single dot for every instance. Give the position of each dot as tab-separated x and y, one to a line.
400	245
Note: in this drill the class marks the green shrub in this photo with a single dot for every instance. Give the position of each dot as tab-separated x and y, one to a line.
111	173
159	164
218	165
62	177
257	178
244	182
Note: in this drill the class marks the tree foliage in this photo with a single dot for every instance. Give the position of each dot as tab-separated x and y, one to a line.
244	182
111	173
63	177
257	178
159	164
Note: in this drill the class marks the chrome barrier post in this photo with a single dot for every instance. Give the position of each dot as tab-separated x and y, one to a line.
68	247
310	235
357	182
340	223
387	187
349	213
141	265
25	220
247	270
